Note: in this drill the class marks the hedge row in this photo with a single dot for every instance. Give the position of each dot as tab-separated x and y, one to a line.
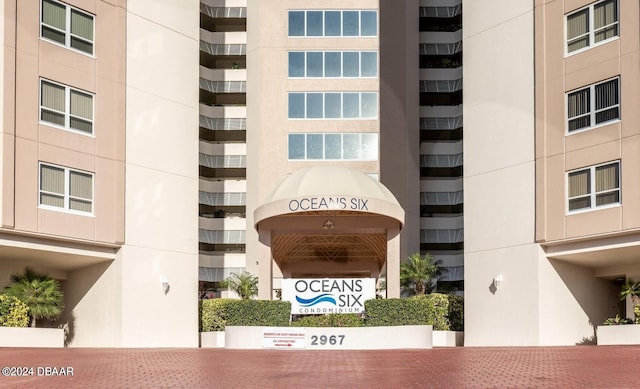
431	309
443	311
215	314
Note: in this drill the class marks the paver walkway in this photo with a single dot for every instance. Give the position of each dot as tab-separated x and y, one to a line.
518	367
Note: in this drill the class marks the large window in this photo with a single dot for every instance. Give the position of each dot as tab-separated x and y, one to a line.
333	105
594	187
592	25
67	26
333	64
594	105
334	146
66	189
66	107
347	23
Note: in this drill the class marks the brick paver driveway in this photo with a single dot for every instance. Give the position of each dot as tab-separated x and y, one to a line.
519	367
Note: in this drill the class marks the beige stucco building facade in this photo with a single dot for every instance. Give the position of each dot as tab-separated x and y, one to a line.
151	149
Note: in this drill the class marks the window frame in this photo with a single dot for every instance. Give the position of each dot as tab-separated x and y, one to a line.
68	35
323	35
361	105
342	53
592	194
592	107
67	112
361	144
591	32
66	195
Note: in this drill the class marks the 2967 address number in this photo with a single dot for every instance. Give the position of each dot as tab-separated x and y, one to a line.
323	339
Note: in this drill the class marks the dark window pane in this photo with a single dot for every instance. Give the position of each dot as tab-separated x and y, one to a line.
315	106
350	23
351	64
314	64
296	23
296	64
369	23
369	64
314	23
296	146
332	23
333	64
296	105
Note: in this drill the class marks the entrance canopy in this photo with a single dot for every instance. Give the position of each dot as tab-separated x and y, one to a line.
329	214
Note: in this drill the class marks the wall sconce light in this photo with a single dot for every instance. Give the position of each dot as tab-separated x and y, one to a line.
328	225
165	284
497	280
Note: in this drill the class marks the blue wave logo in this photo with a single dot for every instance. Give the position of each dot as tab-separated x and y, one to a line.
322	298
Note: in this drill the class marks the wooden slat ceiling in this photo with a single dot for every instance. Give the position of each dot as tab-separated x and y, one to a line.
295	248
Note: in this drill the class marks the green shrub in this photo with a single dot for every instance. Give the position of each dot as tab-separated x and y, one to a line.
431	309
213	314
273	313
330	320
13	312
456	312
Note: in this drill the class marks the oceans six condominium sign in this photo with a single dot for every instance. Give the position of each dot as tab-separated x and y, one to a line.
318	296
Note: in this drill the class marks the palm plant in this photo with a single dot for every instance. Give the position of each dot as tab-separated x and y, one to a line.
39	292
244	284
631	288
420	273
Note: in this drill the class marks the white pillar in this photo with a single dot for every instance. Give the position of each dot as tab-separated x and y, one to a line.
265	265
393	263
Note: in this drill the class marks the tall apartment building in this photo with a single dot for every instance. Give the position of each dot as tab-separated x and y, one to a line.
151	149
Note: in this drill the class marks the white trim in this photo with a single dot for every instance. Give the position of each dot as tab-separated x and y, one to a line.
342	76
341	23
591	32
592	189
67	32
67	111
66	195
592	107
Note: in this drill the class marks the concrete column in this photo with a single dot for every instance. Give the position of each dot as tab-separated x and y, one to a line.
393	263
265	265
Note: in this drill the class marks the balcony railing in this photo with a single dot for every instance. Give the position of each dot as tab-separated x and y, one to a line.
223	124
444	123
442	235
441	160
440	12
223	12
222	236
440	86
223	161
223	86
441	198
223	48
223	198
440	48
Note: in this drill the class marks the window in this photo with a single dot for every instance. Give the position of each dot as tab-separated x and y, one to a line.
594	105
594	187
66	189
67	26
592	25
333	105
334	146
333	64
352	23
66	107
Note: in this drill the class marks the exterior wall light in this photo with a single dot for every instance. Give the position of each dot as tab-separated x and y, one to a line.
497	280
165	284
328	225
